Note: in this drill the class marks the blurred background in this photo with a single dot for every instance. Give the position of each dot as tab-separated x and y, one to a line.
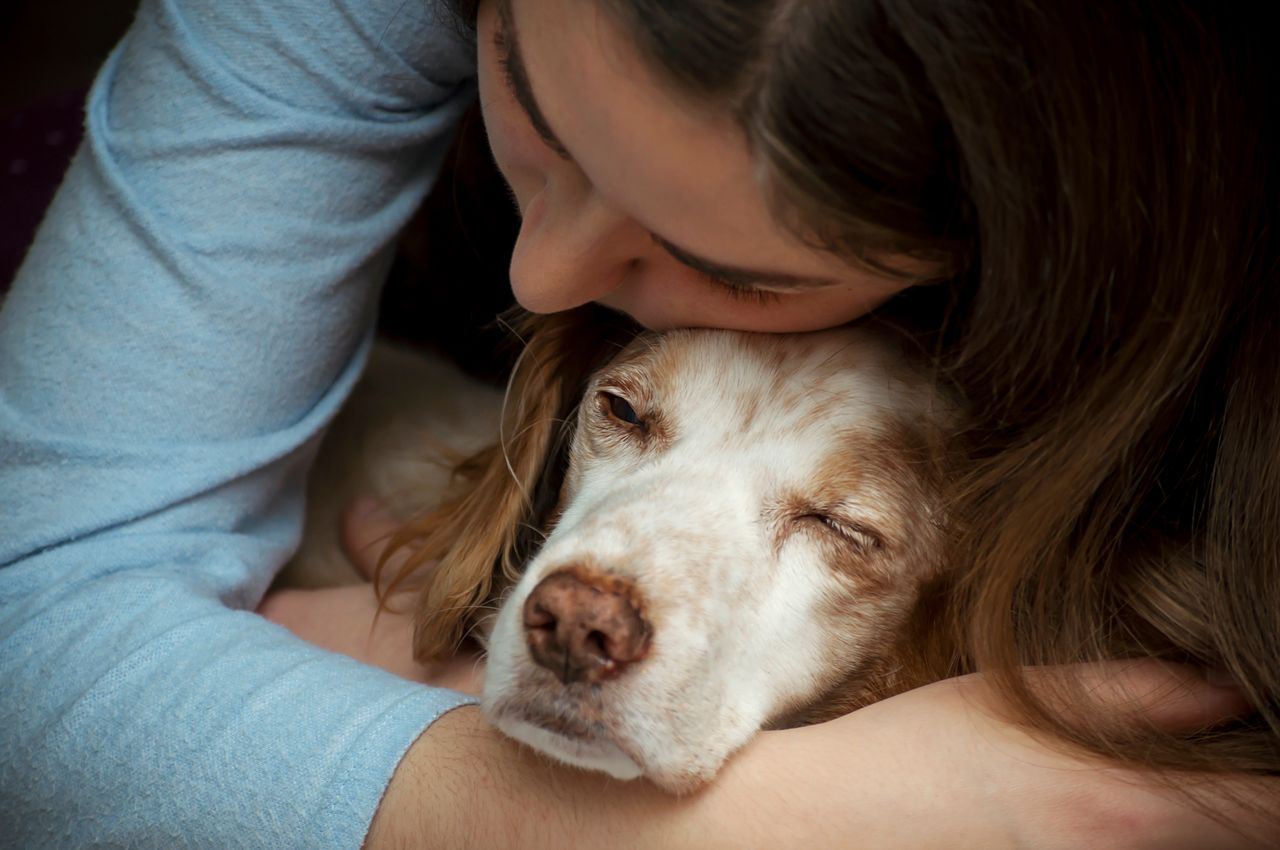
450	275
49	52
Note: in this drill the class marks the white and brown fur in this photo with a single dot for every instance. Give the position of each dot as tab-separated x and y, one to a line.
773	513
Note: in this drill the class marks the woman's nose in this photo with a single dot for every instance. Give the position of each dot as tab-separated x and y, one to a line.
571	251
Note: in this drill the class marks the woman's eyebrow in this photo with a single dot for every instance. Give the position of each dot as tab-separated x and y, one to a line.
518	79
738	276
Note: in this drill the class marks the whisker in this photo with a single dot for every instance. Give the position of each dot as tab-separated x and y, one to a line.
450	609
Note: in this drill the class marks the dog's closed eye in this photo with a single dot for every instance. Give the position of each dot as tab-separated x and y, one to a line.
857	534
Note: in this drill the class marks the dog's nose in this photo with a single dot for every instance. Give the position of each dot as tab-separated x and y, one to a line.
585	627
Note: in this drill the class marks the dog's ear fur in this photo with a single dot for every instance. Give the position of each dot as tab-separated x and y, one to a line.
483	537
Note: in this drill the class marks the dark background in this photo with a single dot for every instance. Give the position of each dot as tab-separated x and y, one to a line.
49	51
450	276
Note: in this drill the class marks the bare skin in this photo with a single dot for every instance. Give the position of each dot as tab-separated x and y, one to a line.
620	182
934	768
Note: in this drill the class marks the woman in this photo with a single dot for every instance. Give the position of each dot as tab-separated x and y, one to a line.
772	167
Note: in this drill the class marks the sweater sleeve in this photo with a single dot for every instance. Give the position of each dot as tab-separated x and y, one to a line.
196	305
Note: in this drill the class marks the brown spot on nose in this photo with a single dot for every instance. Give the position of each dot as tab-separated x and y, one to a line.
584	626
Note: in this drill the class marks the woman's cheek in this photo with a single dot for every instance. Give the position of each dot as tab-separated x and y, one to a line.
662	295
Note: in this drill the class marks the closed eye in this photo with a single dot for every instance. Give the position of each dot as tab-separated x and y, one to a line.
851	532
738	292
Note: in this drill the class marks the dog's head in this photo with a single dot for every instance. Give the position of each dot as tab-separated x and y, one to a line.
744	527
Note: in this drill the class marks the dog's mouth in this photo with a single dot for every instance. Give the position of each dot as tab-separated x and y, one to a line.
571	739
572	728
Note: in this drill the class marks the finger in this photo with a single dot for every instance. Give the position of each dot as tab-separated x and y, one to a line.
1181	698
1175	697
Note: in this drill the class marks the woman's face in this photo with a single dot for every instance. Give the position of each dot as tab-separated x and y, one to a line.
636	199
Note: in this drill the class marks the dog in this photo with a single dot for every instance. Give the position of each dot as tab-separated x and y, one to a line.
735	537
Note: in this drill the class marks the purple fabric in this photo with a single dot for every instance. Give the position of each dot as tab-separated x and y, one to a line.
36	144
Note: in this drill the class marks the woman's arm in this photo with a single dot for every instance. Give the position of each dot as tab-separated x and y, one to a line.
936	767
779	792
933	768
195	308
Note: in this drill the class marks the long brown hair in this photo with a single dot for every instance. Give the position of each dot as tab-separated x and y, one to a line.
1098	186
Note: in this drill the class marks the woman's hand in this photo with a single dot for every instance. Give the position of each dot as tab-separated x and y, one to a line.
940	766
956	755
347	619
1096	803
937	767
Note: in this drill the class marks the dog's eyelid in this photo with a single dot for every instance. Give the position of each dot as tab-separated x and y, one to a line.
615	405
855	532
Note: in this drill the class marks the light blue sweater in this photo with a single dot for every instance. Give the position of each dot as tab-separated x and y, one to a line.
195	308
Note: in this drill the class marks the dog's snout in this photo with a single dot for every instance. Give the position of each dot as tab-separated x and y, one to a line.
585	627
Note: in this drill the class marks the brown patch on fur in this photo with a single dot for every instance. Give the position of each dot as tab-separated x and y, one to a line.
850	558
857	690
905	659
904	463
605	431
885	609
633	376
749	411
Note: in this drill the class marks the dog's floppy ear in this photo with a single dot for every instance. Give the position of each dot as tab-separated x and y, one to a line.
486	534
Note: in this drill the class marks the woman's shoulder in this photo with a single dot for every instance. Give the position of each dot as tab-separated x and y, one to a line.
359	57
